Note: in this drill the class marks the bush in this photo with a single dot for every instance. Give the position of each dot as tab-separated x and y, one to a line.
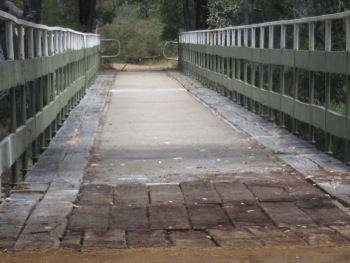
139	37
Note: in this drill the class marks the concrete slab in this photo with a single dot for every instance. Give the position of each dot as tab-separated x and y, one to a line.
162	131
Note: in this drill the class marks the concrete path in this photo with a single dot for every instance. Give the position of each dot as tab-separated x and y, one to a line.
174	167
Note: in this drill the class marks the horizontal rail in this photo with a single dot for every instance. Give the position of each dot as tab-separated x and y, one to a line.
266	67
277	23
44	73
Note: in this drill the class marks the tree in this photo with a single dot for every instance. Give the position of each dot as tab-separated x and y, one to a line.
172	18
32	10
201	8
186	15
87	13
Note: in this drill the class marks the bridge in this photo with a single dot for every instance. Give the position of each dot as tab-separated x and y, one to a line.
199	157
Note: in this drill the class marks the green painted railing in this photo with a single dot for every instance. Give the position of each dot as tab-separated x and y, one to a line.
296	68
45	73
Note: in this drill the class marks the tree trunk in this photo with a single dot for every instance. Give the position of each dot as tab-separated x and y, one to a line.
246	12
187	18
32	10
87	12
201	7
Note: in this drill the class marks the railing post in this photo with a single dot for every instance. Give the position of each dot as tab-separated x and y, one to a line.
328	48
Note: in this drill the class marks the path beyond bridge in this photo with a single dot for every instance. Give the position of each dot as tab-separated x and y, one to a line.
156	160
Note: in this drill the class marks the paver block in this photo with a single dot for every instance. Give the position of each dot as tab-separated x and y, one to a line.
234	237
343	230
200	193
137	239
105	239
266	192
89	217
47	209
271	236
208	216
72	240
168	194
287	214
301	190
325	213
37	241
248	215
9	231
191	239
132	194
129	218
30	187
168	217
234	193
320	236
7	244
96	194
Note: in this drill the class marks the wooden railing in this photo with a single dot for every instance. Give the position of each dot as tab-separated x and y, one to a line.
45	73
294	71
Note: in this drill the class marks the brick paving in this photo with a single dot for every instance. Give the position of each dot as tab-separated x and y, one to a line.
237	213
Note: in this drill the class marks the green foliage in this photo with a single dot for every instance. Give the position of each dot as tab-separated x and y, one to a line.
222	13
139	37
172	18
63	13
105	11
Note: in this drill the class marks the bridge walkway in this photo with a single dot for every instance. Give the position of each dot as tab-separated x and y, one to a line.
158	160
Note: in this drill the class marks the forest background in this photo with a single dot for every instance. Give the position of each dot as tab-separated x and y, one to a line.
142	26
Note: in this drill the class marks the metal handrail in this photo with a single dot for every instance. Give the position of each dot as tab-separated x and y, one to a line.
164	47
112	40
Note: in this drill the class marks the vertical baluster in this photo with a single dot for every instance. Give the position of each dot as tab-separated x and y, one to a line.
347	158
13	109
328	48
311	80
253	69
295	124
270	71
282	77
261	68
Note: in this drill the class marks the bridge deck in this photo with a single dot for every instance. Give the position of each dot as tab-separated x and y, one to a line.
144	161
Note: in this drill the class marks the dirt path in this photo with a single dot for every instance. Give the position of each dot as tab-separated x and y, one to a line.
193	255
140	68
